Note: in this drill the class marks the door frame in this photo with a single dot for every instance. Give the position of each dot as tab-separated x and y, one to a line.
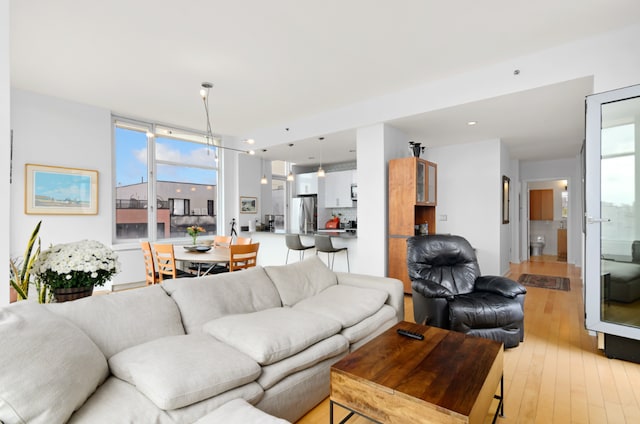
593	218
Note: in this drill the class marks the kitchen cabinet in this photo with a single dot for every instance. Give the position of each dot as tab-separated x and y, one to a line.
306	183
337	189
541	205
412	201
562	244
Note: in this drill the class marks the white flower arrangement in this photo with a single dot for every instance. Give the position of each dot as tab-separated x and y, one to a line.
86	263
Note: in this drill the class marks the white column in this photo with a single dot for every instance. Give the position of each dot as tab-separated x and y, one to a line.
376	144
5	145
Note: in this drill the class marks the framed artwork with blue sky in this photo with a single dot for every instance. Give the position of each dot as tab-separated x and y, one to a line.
55	190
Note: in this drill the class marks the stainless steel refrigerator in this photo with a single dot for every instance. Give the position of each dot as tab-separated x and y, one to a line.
304	214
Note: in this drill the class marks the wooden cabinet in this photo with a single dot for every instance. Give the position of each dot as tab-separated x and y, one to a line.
562	244
412	201
541	205
337	189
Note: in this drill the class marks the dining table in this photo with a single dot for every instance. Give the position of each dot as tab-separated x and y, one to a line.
205	261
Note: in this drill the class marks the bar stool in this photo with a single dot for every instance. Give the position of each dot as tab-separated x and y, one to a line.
324	244
294	243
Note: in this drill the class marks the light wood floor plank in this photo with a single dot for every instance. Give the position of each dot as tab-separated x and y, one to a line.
557	375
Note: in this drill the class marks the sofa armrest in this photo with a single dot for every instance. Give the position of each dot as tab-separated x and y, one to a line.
391	285
499	285
430	289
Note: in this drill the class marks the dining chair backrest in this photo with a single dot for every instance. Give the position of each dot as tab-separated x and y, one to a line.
243	256
223	241
243	240
165	261
150	269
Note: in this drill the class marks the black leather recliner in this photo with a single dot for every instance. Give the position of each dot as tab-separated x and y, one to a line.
449	292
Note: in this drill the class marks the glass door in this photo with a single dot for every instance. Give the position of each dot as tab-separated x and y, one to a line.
612	212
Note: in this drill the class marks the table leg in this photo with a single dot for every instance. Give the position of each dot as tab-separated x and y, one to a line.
500	408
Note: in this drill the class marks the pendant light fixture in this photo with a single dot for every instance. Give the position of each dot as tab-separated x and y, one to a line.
320	170
263	180
290	175
204	93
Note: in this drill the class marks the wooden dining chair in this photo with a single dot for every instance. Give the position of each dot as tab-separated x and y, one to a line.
151	276
223	241
242	256
243	240
166	263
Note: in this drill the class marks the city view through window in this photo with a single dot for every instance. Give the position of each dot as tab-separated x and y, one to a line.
177	169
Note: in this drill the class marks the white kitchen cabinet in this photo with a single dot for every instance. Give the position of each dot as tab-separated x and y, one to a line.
337	189
306	183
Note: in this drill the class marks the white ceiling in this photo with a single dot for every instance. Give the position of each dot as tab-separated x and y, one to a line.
278	61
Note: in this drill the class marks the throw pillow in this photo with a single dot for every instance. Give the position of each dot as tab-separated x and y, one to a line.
346	304
273	334
301	279
48	366
177	371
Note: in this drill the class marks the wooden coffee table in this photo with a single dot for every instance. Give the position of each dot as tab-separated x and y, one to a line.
448	377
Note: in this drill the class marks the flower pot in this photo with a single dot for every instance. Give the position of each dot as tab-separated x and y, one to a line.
13	295
73	293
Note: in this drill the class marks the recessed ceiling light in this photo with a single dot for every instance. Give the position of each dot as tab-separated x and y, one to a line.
250	141
472	123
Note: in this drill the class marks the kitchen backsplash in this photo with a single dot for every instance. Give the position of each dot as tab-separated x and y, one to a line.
348	214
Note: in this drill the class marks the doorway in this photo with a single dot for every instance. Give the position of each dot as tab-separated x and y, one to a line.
545	221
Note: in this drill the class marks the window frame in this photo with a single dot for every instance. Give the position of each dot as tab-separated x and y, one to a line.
155	130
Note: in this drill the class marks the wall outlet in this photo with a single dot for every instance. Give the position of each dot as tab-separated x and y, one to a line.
443	217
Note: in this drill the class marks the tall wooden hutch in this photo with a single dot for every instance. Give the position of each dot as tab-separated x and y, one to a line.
412	202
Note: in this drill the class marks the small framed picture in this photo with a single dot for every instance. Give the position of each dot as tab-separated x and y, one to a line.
505	199
248	204
54	190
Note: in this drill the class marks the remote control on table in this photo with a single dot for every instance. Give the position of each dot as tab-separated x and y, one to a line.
411	334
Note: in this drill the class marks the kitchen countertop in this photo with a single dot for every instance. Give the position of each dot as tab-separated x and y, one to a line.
341	233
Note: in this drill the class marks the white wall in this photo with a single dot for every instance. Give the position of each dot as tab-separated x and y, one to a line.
5	145
51	131
470	196
249	185
506	229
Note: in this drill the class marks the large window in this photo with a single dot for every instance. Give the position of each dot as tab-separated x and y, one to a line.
176	168
618	191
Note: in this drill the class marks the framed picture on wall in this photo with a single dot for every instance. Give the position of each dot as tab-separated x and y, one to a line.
248	204
505	199
54	190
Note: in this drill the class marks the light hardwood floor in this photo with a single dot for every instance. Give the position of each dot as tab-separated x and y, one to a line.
558	375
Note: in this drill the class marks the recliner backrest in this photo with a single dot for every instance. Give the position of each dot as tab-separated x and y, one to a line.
444	259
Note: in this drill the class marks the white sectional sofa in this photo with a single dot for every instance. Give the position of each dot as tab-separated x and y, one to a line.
176	352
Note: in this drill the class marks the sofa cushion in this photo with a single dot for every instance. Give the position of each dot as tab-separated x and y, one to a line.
346	304
117	401
239	411
120	320
370	325
205	298
324	349
48	366
301	279
180	370
273	334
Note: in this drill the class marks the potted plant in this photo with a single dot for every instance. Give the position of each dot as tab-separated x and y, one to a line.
71	271
20	269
